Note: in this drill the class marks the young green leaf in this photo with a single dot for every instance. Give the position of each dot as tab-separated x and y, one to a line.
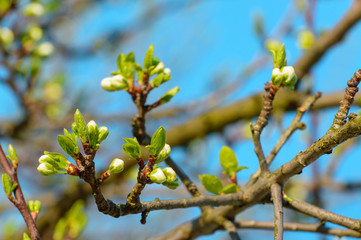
26	237
7	184
131	147
120	60
228	160
148	59
158	141
58	160
67	144
240	168
230	188
168	95
211	183
80	125
281	57
172	185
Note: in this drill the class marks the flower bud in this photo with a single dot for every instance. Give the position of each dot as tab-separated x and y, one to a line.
115	83
116	166
289	76
170	174
47	169
93	131
157	176
167	71
164	153
6	36
158	69
34	9
44	49
276	77
103	134
57	160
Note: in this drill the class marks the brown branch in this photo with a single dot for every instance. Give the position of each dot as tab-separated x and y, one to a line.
303	227
262	121
19	201
256	191
278	211
323	215
351	90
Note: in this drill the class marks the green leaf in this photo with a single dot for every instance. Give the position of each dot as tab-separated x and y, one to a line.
228	160
172	185
231	188
168	95
26	237
67	144
130	57
160	79
72	136
280	57
7	184
211	183
81	130
131	147
158	141
240	168
60	161
148	59
120	60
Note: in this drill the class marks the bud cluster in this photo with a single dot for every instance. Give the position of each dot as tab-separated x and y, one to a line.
52	163
166	176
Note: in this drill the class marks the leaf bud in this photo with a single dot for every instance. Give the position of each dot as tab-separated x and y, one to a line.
6	36
44	49
168	95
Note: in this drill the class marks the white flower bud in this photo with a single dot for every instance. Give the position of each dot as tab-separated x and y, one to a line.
164	153
157	69
44	49
116	166
157	176
103	134
276	77
290	77
288	73
46	169
170	174
34	9
114	83
167	71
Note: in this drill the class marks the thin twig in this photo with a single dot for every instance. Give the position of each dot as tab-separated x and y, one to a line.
278	211
19	201
322	215
294	226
